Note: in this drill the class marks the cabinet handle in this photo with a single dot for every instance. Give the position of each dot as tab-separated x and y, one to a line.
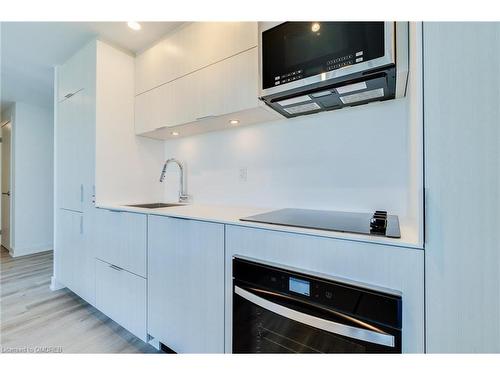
81	224
81	193
115	267
205	117
67	96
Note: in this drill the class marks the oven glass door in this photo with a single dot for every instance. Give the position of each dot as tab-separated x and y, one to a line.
267	322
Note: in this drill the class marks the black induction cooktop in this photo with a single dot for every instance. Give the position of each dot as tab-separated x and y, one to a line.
377	223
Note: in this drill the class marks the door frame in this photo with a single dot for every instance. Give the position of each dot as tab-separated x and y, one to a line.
3	124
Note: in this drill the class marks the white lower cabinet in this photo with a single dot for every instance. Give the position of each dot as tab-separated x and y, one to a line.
121	295
74	257
121	239
186	284
70	241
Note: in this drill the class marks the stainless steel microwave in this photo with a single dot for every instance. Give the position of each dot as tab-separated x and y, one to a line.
308	67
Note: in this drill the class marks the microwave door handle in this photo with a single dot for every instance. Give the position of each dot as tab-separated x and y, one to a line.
313	321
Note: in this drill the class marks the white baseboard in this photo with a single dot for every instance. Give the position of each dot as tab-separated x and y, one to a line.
54	285
19	252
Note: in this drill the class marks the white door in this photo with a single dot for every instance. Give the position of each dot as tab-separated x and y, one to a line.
6	191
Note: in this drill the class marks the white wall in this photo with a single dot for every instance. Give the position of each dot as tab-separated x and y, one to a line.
127	167
357	159
352	159
32	180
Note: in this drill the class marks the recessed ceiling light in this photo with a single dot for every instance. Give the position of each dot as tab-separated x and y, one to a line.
315	27
234	122
175	134
134	25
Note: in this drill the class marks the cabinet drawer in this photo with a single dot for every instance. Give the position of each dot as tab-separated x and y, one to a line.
121	295
121	239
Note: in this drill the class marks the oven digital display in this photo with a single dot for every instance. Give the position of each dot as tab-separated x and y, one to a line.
299	286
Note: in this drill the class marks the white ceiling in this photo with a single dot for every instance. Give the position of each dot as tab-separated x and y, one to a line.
30	50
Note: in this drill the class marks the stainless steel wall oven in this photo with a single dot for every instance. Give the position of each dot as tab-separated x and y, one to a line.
276	310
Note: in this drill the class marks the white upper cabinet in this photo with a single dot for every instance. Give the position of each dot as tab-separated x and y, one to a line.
192	47
75	130
212	78
76	73
75	164
69	183
226	87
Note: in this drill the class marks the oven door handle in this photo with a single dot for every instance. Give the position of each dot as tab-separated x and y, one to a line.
313	321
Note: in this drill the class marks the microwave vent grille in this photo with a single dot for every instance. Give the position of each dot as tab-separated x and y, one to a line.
301	108
362	96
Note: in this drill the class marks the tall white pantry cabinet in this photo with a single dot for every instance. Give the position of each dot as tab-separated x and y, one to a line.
462	186
93	131
75	114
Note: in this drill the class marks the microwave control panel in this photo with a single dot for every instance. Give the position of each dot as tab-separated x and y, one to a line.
329	65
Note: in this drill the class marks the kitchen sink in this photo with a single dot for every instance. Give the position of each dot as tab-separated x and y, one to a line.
156	205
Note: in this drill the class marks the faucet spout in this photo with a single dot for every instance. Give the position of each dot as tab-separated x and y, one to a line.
183	196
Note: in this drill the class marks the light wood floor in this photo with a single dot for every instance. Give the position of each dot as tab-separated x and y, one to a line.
31	315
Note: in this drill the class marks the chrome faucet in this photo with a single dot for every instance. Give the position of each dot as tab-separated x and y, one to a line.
183	196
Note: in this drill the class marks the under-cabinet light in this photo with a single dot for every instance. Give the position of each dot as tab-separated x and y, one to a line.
134	25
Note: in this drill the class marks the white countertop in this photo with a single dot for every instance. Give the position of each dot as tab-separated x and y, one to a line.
232	214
